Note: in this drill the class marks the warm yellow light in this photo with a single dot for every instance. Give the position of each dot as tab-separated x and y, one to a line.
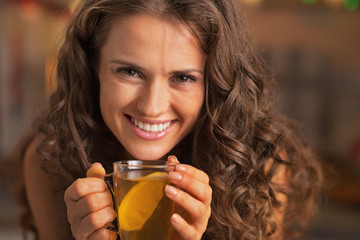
50	80
335	4
73	4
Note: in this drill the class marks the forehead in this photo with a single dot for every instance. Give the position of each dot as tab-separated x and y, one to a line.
140	36
144	26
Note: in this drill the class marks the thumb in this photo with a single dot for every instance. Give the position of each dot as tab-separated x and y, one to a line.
96	170
173	159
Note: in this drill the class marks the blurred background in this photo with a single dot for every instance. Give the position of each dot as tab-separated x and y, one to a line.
313	45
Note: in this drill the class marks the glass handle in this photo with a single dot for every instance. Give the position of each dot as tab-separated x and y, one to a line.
112	226
108	183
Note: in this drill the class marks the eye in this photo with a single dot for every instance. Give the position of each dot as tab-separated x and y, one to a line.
184	78
127	72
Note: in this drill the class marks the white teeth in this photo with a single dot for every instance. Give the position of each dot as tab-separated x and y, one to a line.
147	127
154	128
150	127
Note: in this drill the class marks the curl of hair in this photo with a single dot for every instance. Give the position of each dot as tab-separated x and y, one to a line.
237	140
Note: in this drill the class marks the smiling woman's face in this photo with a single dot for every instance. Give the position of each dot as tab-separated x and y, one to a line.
151	75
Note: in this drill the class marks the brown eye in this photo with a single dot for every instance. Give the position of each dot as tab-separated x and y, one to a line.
183	79
127	72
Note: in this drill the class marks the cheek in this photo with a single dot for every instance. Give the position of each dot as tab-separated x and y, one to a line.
199	104
115	97
104	105
191	105
110	101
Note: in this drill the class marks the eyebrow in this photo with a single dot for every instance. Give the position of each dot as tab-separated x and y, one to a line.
138	67
129	64
187	71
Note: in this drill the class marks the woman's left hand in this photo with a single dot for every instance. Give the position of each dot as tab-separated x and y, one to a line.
193	194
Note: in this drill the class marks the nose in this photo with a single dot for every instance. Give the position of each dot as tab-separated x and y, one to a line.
154	98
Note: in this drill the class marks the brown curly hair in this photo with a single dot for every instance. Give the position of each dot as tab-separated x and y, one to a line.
239	141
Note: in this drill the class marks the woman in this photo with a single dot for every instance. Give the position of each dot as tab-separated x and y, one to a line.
147	79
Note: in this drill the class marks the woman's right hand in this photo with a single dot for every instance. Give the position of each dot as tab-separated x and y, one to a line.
90	206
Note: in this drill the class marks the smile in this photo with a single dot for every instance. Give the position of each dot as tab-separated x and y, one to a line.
153	128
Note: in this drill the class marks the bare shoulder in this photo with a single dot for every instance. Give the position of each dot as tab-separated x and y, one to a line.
44	204
31	154
32	164
33	174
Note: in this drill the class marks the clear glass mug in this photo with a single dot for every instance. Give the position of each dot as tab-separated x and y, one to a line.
143	209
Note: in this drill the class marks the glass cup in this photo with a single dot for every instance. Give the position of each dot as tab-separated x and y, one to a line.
143	210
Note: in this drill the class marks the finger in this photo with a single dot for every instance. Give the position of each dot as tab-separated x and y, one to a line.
88	204
96	170
95	221
185	230
84	186
101	234
190	170
192	185
173	159
194	207
171	162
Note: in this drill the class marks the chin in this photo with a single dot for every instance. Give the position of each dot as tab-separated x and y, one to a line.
149	155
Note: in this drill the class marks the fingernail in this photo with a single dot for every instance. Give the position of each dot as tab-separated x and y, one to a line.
181	168
170	190
172	157
96	164
175	218
175	176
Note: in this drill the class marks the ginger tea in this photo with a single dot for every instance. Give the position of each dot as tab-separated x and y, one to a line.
143	209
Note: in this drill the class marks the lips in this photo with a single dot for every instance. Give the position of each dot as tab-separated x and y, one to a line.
150	130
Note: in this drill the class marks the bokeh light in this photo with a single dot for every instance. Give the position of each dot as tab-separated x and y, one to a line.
351	5
309	1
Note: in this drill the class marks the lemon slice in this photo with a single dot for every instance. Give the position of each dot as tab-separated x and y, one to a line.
141	201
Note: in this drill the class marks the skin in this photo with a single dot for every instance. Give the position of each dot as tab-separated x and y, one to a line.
151	70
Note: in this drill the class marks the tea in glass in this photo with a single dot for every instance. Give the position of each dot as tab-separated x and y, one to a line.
143	209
